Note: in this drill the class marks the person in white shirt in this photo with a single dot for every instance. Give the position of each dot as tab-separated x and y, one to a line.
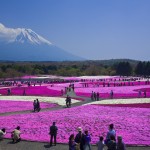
2	133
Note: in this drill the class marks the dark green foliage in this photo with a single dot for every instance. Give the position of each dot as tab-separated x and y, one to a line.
124	69
78	68
143	68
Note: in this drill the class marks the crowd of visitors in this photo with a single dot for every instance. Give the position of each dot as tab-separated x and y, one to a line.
95	96
82	140
15	134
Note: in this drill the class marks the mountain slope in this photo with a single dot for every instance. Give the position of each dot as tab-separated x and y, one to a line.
25	45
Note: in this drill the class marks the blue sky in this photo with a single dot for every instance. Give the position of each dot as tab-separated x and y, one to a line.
93	29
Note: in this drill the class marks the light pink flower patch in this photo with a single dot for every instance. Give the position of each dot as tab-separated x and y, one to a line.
132	123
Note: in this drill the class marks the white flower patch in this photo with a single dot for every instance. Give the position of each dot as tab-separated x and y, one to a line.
57	100
94	77
122	101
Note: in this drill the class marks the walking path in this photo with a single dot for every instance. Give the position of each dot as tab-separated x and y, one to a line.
6	144
72	94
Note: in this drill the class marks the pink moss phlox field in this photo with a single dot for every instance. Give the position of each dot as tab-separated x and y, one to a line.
131	123
12	106
32	90
119	92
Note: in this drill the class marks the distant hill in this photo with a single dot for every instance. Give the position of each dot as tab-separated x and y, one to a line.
111	62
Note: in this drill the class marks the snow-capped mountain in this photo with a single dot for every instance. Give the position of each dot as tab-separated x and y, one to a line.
22	44
21	35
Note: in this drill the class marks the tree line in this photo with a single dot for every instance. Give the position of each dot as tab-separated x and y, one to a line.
81	68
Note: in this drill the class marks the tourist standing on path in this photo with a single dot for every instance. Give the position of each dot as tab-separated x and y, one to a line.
79	139
95	98
72	143
34	105
97	95
9	91
110	132
67	101
112	143
38	105
92	96
111	94
120	143
87	140
145	94
53	133
100	143
2	133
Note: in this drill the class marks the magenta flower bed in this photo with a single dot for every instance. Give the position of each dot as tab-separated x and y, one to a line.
32	90
119	92
131	123
12	106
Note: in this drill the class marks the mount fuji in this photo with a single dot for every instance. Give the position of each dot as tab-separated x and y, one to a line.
22	44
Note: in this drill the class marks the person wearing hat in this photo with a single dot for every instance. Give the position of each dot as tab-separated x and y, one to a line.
79	139
120	143
53	133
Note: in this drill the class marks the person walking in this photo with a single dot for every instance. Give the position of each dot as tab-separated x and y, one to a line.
53	133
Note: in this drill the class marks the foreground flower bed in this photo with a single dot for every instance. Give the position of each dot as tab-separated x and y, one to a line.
131	123
11	106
